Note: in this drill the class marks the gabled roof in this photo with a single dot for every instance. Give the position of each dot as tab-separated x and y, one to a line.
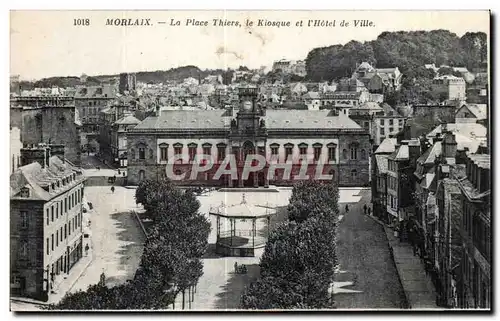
388	145
430	155
478	110
402	153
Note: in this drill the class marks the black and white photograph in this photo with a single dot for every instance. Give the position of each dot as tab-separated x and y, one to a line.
231	160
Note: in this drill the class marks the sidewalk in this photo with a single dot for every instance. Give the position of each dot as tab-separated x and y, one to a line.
419	290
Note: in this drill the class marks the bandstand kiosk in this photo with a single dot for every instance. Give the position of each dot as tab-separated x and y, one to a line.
253	223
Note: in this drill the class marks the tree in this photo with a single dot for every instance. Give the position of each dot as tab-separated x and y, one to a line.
170	262
311	198
300	258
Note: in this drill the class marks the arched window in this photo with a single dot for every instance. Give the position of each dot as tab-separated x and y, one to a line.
363	154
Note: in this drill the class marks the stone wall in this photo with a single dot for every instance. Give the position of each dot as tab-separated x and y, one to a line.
31	267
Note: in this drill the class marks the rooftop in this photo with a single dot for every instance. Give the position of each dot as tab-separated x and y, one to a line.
221	119
39	180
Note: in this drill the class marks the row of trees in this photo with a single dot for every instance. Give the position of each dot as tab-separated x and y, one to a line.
170	263
300	258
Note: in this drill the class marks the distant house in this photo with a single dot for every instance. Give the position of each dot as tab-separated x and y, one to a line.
378	80
471	113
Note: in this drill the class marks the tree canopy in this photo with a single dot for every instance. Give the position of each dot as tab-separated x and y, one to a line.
171	259
299	259
407	50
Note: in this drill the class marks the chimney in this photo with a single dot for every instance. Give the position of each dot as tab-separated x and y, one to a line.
40	154
449	146
414	150
57	150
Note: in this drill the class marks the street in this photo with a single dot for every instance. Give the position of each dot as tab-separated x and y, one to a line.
368	278
117	239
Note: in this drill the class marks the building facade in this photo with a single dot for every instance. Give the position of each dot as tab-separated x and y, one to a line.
89	101
475	286
49	120
333	145
450	87
45	221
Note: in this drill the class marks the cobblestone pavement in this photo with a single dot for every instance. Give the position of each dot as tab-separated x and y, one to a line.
367	278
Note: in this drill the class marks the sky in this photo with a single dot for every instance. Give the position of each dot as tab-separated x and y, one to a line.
48	43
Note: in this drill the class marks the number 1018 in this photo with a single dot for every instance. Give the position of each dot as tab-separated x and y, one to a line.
81	22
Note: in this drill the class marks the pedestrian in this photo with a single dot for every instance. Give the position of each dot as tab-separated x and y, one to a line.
87	249
235	267
346	208
112	189
364	208
123	174
119	171
369	210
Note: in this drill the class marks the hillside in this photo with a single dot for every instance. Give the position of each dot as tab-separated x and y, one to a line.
406	50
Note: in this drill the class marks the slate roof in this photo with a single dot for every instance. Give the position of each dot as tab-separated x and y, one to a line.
388	145
430	155
465	129
478	110
127	120
221	119
38	179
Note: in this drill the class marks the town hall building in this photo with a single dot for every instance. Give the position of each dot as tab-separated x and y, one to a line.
333	146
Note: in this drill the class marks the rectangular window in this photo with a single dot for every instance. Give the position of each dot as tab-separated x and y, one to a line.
177	150
317	153
354	153
48	246
391	122
288	153
61	234
382	131
69	228
52	213
163	153
52	242
302	150
192	153
48	216
332	153
24	219
65	231
65	205
391	129
274	150
382	122
207	151
142	153
57	238
221	153
401	124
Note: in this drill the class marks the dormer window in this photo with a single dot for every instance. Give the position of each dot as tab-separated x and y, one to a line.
25	192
